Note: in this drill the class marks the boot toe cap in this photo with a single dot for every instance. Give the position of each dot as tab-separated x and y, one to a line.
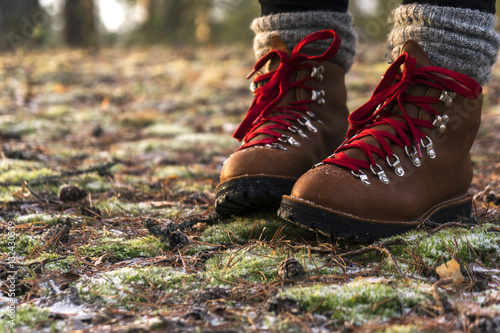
337	191
261	161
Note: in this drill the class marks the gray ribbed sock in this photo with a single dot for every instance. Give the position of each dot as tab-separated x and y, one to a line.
460	39
293	27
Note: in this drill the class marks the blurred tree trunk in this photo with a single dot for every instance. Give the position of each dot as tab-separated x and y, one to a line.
80	26
169	21
21	22
202	21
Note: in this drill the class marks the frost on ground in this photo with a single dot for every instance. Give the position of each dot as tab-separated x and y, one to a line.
108	167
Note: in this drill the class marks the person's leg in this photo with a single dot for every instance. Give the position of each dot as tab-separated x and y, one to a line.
486	6
406	159
455	37
269	7
299	110
293	26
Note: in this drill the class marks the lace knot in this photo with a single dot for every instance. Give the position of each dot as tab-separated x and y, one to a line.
268	96
407	133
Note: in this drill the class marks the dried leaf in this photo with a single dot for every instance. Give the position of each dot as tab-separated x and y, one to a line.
105	104
59	88
451	270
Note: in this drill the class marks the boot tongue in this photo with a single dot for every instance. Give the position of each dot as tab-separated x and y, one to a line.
422	60
415	50
278	44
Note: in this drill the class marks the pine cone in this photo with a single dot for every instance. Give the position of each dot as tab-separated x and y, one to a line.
69	193
291	269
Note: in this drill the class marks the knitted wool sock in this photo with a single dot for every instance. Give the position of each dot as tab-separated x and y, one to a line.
460	39
294	26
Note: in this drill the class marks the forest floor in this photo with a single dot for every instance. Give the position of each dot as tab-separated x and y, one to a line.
108	166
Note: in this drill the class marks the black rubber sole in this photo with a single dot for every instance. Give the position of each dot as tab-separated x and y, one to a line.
251	194
319	219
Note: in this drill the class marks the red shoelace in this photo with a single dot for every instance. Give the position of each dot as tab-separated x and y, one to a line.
264	105
376	111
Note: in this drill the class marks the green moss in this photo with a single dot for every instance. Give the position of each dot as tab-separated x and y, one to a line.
6	193
262	226
56	112
469	245
167	129
357	301
136	284
40	218
402	329
114	206
30	127
194	186
214	143
23	244
257	264
146	145
95	184
26	318
62	266
17	170
281	323
181	171
144	118
119	248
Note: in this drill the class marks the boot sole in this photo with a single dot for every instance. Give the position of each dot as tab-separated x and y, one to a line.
332	223
251	194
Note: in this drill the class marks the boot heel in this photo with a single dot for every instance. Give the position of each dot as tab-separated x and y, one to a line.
250	194
452	212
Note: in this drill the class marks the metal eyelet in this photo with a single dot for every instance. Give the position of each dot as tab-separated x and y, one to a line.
288	139
253	87
396	165
321	163
363	177
306	122
318	96
313	116
310	114
447	97
297	130
440	122
380	173
276	145
317	72
429	147
413	156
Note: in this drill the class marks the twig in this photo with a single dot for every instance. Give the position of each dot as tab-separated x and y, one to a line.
371	248
394	261
42	180
437	298
395	241
45	262
37	196
450	224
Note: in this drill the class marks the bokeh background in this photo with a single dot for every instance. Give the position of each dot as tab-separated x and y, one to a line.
97	23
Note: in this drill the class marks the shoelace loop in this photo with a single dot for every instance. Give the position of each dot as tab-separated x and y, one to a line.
391	89
268	96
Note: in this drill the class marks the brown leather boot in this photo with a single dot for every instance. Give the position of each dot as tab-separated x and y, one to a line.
299	112
406	159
